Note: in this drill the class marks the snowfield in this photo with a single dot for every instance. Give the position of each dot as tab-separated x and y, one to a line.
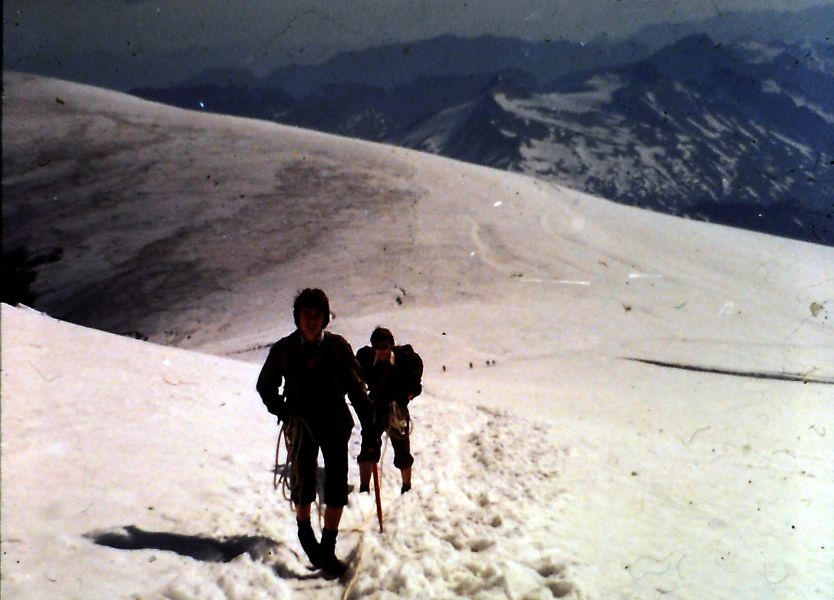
617	403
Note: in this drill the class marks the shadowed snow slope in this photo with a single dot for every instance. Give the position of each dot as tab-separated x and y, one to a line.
547	463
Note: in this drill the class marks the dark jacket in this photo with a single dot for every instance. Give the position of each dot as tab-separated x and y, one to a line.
316	377
391	383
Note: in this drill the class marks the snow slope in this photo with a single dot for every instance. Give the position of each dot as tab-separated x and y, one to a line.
548	462
112	444
177	443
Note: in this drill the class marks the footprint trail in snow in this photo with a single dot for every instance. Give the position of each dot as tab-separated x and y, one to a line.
471	525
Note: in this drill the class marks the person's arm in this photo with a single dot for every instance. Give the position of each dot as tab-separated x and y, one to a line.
416	388
357	391
269	382
365	357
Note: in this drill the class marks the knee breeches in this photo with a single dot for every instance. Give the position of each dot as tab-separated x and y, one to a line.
371	447
334	450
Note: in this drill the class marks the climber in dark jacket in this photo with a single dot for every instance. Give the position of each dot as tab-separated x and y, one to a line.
393	376
317	369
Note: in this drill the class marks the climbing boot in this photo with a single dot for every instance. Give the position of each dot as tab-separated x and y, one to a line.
309	543
328	561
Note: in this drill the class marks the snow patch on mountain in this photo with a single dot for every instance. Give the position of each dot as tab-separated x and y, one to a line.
771	86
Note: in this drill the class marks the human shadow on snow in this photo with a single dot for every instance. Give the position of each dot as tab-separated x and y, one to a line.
206	549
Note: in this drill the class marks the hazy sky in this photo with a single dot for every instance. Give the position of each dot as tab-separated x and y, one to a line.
261	34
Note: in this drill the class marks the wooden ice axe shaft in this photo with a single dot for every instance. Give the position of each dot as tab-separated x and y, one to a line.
378	500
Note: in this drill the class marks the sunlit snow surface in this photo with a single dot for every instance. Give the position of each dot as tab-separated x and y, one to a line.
547	464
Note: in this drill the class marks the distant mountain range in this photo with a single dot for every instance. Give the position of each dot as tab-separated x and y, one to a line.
810	24
739	133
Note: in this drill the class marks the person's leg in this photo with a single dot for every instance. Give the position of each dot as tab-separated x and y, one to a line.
303	485
302	512
335	454
367	457
306	535
406	476
403	459
328	560
332	516
365	469
303	472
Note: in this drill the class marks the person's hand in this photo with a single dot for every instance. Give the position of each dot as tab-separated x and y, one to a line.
403	402
283	415
369	427
277	408
370	449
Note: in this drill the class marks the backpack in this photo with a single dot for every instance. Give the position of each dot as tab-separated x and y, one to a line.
415	364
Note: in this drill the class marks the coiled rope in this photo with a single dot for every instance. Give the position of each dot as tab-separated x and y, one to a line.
288	475
399	421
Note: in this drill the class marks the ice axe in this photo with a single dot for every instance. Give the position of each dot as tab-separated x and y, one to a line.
376	494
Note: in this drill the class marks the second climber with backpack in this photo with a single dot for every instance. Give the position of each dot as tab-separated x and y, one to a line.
393	374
